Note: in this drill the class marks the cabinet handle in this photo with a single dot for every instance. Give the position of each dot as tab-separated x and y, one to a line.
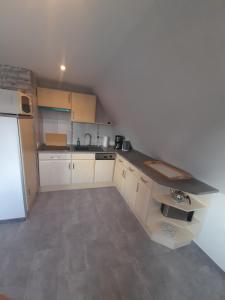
130	169
143	180
124	176
123	173
73	166
137	188
70	166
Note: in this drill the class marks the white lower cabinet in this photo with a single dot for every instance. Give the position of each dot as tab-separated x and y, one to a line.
55	172
83	171
119	175
130	188
134	187
143	195
104	170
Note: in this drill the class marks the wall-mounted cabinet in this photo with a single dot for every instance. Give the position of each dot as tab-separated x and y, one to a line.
54	98
83	108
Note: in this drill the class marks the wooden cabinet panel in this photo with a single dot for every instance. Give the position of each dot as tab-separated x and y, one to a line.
83	108
130	188
119	175
83	171
29	159
104	170
142	200
55	172
54	98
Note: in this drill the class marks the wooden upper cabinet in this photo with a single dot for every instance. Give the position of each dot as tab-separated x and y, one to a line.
54	98
83	108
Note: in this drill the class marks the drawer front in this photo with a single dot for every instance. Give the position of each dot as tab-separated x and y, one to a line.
128	165
145	179
120	159
131	168
53	155
83	155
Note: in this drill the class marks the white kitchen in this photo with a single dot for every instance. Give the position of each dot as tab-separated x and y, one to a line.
110	156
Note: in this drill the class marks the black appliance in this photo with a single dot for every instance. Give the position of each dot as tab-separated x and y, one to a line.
105	156
118	141
175	213
126	146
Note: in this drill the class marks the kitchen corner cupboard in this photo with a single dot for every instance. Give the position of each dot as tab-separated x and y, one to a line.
54	98
83	108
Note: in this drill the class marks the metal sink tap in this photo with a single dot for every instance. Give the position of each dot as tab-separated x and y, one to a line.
90	137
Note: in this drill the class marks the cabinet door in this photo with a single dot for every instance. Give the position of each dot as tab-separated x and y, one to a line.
119	175
142	200
55	172
83	171
83	108
29	159
54	98
104	170
130	188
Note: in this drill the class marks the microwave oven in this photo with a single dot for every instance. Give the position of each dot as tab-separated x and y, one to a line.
15	102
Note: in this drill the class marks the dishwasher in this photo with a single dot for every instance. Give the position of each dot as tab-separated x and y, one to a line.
104	167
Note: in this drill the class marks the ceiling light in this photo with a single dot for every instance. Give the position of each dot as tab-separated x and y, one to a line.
63	68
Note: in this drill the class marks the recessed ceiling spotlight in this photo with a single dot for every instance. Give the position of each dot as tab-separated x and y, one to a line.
63	68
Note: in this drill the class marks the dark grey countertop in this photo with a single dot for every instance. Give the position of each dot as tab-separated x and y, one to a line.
193	186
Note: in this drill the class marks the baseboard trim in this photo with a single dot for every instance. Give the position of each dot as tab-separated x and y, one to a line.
76	186
12	220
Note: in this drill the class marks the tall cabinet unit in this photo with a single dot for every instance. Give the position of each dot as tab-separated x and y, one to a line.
29	155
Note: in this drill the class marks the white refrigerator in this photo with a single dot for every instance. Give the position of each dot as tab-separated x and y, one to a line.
12	184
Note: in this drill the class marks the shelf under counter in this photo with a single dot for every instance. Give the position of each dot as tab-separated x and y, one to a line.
168	200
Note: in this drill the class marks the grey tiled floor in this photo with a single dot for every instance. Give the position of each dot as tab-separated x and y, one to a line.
87	245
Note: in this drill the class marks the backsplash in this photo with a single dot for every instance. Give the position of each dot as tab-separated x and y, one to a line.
59	122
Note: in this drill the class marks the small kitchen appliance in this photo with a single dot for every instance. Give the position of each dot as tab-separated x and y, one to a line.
175	213
105	141
126	146
118	141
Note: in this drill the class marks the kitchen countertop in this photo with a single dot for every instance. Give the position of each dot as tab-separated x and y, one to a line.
69	148
193	186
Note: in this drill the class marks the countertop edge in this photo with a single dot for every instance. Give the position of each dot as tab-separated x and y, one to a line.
193	185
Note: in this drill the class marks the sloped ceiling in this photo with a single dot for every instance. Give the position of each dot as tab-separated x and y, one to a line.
157	66
83	34
166	88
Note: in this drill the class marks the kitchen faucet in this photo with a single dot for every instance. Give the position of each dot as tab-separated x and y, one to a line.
90	137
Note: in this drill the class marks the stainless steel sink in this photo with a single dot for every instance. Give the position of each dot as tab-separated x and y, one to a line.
88	148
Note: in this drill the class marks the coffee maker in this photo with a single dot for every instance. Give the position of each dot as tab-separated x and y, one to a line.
118	141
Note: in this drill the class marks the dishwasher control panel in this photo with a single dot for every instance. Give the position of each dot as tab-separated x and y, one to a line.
105	156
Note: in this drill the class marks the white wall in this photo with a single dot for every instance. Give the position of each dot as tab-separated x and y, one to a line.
212	237
166	92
